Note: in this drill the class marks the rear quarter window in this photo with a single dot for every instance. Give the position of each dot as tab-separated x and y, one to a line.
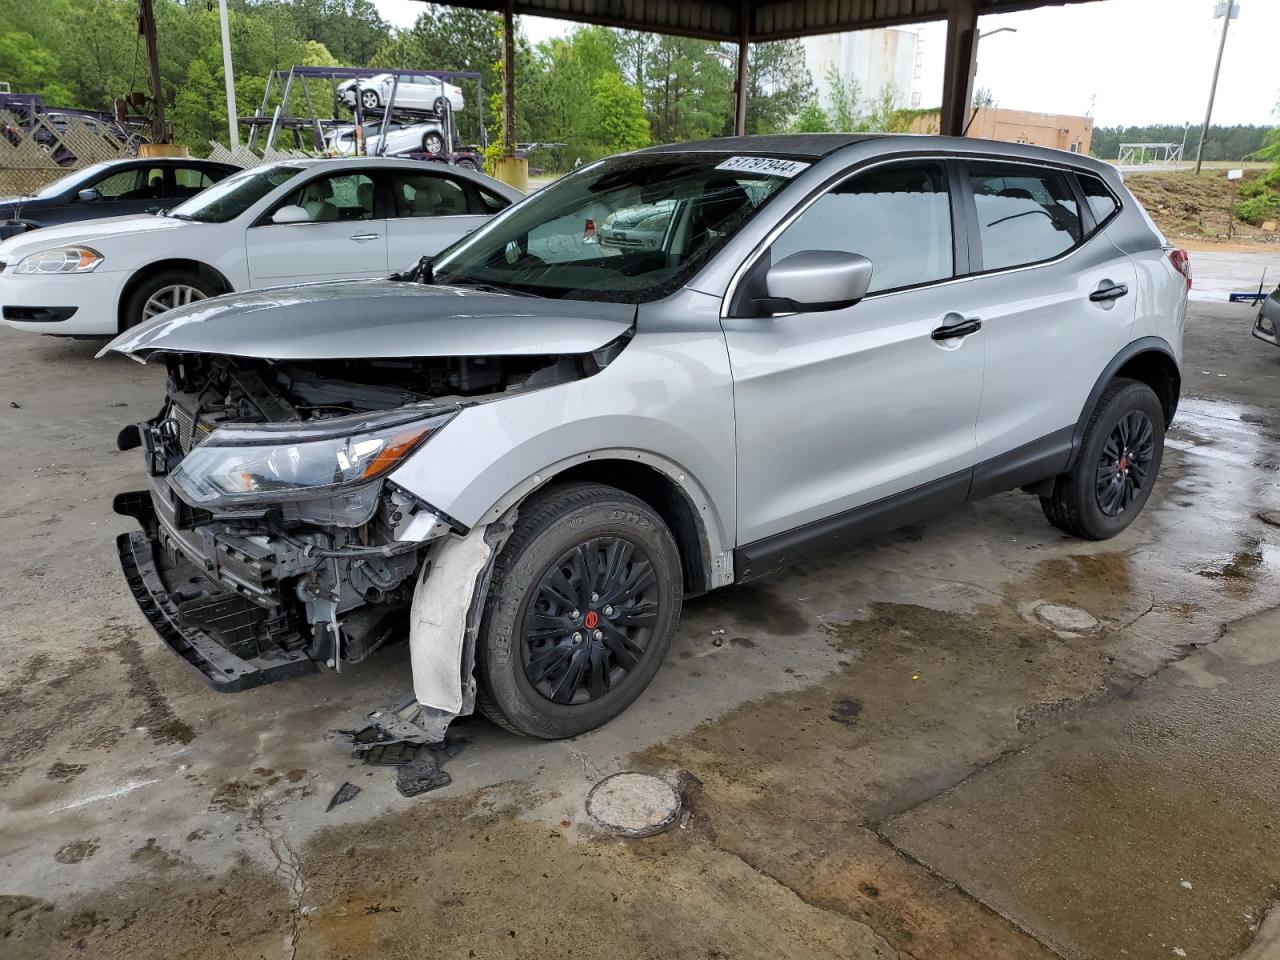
1101	200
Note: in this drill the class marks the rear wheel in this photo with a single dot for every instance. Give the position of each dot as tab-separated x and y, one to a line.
163	292
433	143
585	598
1116	469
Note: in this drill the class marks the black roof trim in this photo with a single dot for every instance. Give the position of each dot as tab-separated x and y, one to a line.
810	146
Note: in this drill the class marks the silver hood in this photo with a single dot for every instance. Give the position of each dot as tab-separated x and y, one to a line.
369	319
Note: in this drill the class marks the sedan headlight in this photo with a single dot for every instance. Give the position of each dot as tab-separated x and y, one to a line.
60	260
277	462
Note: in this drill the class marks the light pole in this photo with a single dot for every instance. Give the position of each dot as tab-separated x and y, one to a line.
233	122
1228	10
973	72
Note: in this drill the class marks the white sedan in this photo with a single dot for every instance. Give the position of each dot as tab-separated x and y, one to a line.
413	92
401	138
269	226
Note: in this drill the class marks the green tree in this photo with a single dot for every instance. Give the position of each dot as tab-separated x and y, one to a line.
812	119
780	87
618	115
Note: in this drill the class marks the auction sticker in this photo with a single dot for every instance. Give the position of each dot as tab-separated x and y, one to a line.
770	166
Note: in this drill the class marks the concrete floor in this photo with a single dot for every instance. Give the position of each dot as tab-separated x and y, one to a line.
886	753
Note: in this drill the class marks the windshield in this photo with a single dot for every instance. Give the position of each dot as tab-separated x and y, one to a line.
62	184
629	229
231	197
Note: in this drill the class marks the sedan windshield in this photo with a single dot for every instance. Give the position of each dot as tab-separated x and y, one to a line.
629	229
231	197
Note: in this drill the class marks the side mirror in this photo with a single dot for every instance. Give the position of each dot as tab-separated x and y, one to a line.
88	195
816	280
291	213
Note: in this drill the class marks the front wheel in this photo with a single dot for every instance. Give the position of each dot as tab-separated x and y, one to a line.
433	143
370	100
583	603
163	292
1116	470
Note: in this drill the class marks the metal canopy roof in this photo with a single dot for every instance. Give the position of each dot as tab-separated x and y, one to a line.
767	19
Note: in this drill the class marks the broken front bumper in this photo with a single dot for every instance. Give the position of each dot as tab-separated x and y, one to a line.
153	573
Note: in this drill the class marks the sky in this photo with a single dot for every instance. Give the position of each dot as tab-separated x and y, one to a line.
1145	61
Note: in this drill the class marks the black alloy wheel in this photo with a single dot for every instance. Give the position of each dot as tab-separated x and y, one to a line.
589	621
1124	468
583	601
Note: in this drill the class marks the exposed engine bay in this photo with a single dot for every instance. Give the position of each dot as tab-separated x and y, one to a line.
272	539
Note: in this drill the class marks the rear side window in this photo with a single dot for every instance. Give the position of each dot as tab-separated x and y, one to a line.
1101	200
1025	214
427	195
898	217
491	202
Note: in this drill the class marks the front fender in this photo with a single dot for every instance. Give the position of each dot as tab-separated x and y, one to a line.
666	402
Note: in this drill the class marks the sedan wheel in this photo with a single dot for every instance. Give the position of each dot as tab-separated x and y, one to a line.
369	100
433	143
167	298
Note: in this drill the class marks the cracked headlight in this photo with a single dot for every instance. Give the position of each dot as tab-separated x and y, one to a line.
60	260
241	465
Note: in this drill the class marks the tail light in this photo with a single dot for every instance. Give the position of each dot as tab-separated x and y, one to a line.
589	232
1181	261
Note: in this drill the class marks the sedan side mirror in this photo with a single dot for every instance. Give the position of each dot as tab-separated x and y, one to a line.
816	280
88	195
291	213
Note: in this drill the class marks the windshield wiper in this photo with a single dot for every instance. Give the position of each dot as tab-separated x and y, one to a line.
178	216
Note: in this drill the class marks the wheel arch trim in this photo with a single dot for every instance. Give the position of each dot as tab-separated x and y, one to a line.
1155	347
716	553
140	275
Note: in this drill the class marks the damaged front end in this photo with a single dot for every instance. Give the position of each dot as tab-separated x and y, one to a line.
272	540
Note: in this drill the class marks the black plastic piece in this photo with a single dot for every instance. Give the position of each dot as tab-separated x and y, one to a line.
421	776
221	669
39	314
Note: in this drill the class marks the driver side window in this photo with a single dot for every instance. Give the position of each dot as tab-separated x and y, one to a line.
1025	214
897	216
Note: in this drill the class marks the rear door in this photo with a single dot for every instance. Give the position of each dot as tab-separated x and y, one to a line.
427	211
342	238
838	409
1056	301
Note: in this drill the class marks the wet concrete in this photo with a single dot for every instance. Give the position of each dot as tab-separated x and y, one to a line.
818	721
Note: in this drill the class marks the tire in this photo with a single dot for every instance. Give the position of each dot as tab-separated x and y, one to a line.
137	308
433	143
1116	470
440	105
370	100
466	163
518	663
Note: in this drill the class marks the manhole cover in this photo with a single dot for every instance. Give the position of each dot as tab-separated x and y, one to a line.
633	804
1067	619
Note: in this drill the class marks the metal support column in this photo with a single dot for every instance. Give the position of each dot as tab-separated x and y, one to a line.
509	79
233	122
957	76
744	35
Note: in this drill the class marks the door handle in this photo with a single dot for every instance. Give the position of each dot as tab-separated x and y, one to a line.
959	327
362	237
1107	290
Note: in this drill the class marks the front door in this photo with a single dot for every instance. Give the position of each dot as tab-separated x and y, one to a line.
839	409
341	238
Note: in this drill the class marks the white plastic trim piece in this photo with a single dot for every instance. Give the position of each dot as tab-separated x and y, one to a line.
438	618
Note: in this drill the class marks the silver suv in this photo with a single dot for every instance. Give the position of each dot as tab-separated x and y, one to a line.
525	454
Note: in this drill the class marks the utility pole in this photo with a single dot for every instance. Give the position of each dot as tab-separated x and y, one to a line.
147	27
233	122
1227	9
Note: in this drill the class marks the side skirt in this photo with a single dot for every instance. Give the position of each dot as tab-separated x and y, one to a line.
1028	465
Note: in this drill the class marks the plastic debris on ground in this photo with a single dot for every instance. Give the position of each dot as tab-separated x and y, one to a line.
347	791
